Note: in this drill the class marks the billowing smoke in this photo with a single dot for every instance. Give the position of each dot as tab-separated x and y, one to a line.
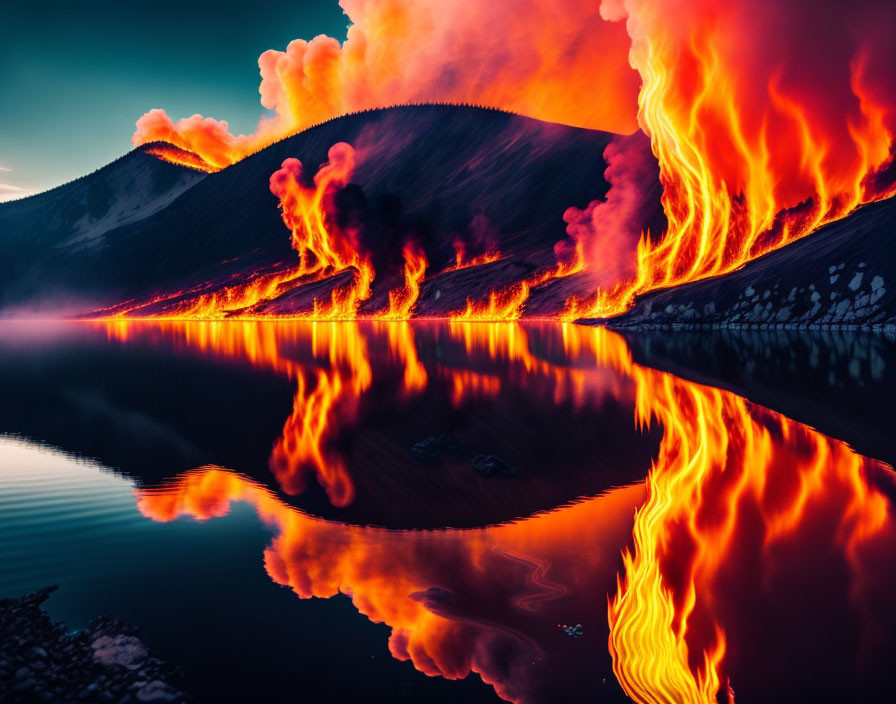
556	60
608	229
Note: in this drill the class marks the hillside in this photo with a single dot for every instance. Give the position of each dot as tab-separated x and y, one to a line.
842	276
434	171
52	244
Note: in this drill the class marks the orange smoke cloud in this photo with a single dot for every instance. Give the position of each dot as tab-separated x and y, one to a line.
556	60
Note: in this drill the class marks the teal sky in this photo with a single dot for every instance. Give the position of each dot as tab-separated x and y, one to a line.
75	76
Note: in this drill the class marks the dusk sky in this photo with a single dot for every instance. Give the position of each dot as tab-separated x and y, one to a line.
75	77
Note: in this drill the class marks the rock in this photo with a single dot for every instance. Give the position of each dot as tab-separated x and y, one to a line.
125	651
573	631
437	595
431	449
493	466
24	685
41	662
157	691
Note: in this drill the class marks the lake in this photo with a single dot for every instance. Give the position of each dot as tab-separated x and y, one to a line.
447	511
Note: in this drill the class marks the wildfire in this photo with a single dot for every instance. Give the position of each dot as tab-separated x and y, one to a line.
323	249
760	139
463	260
182	157
755	150
508	303
403	300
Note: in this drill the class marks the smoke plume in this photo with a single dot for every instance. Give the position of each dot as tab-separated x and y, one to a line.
556	60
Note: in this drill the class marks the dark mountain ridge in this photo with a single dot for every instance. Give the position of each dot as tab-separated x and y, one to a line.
434	172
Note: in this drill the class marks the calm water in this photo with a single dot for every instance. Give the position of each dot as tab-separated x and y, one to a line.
247	495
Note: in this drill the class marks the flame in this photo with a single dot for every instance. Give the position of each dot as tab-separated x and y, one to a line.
508	302
403	300
755	151
323	249
181	157
463	260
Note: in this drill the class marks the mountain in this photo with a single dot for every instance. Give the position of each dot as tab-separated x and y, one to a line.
141	226
52	243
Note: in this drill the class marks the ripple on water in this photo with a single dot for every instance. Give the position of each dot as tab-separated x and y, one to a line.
60	517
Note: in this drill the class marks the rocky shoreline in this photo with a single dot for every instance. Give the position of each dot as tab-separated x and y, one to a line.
839	278
41	661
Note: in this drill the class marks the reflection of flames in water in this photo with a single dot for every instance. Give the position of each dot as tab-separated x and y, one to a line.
420	599
329	391
730	478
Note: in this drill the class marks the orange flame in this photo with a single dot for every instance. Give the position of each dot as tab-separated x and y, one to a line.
463	261
181	157
324	250
508	302
750	157
403	300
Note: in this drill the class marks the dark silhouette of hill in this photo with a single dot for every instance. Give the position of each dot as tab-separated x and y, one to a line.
53	245
432	171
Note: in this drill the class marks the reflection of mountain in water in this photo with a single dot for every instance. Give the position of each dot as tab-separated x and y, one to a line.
759	540
841	382
328	412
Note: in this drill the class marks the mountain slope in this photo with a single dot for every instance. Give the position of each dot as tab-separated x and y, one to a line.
434	171
48	241
844	275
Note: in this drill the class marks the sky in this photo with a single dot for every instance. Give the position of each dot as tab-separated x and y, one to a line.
75	76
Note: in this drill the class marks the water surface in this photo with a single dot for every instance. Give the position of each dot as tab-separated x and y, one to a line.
246	494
